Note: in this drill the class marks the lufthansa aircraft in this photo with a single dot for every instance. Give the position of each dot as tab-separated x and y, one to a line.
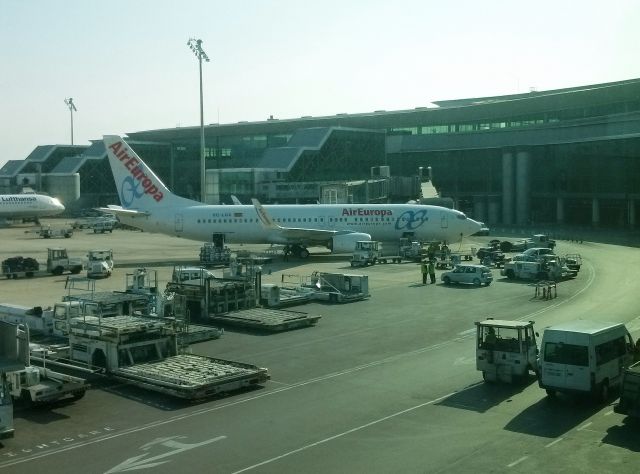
28	206
148	204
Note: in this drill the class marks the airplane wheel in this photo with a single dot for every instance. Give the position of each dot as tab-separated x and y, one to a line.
304	253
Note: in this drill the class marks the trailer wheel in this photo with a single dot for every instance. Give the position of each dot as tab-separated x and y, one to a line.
76	270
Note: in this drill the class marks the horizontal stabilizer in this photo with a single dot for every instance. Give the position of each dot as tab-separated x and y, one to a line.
120	211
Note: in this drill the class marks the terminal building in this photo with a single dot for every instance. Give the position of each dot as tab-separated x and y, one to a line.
566	156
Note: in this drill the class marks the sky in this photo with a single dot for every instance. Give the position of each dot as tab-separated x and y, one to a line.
128	68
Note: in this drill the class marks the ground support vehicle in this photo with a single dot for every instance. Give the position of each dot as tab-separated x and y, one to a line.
213	255
466	273
584	357
41	385
573	261
99	263
59	262
537	240
490	256
506	351
629	403
338	287
15	267
412	250
541	270
367	252
35	318
103	225
14	355
144	352
267	319
50	233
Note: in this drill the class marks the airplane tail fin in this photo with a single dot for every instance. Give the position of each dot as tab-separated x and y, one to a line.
138	186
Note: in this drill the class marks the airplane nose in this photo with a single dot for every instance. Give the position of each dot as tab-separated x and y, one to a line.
474	226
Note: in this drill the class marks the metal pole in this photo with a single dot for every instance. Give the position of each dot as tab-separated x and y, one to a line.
202	162
71	111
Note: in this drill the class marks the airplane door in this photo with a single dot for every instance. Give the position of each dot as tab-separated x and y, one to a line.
179	222
444	219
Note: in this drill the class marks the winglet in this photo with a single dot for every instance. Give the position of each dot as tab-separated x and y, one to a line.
265	219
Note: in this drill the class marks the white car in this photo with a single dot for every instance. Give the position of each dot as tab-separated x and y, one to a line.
467	273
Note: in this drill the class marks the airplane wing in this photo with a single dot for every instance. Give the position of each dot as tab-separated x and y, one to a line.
120	211
292	233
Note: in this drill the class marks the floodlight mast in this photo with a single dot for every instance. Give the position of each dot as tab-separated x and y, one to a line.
196	46
72	108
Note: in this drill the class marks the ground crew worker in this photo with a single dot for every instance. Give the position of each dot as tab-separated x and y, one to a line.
425	271
432	271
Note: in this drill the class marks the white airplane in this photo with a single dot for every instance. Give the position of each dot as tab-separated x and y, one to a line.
28	206
148	204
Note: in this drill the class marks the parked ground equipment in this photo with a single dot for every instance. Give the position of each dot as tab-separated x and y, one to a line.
506	351
50	233
537	240
15	267
212	254
41	385
144	352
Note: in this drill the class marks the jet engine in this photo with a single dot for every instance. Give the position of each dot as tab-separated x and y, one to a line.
346	243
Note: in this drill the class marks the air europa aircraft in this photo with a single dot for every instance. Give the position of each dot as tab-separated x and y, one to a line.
28	206
148	204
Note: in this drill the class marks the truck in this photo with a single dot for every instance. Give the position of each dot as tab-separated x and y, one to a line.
629	403
99	263
506	350
41	385
545	269
143	351
369	252
58	262
537	240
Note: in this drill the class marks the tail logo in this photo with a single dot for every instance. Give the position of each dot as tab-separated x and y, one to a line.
129	191
137	178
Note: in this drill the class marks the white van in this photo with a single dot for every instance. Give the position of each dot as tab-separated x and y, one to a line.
584	357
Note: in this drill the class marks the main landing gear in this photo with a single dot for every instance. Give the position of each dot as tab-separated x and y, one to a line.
296	250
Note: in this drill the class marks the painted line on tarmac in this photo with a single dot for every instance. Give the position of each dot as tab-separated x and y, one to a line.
344	433
553	442
585	426
518	461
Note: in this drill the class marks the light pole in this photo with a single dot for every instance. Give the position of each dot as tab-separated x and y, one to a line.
72	108
196	47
